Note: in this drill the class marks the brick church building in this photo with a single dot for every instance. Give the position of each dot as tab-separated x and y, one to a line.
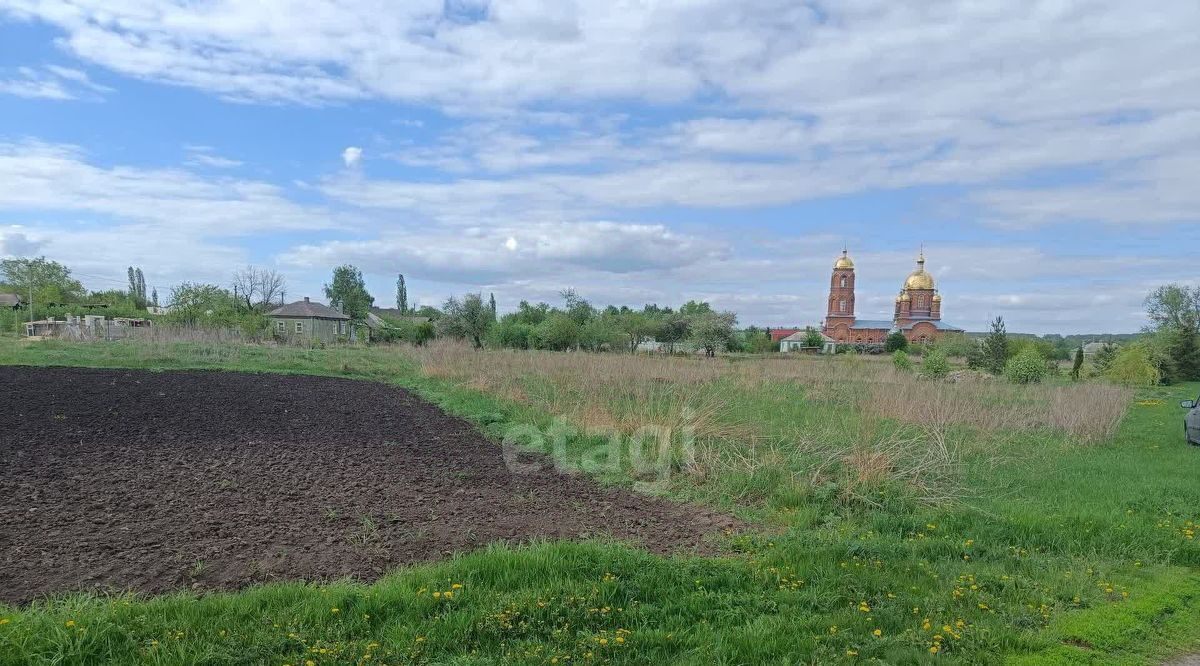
918	311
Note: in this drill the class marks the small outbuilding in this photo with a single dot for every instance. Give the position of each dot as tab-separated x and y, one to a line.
306	320
9	301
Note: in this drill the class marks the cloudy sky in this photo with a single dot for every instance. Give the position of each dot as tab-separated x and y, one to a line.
1047	154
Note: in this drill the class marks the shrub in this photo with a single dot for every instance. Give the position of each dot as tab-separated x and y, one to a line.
901	361
1133	366
813	338
935	365
1027	367
895	342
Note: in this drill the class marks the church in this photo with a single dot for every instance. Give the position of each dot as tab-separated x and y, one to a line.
918	311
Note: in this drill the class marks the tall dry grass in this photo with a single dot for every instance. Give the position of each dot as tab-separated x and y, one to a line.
899	428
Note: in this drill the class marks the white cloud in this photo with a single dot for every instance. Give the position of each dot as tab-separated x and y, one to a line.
16	241
351	156
50	82
36	176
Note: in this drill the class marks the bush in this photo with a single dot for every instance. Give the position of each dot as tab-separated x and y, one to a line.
957	345
813	338
1027	367
895	342
901	361
1133	366
935	365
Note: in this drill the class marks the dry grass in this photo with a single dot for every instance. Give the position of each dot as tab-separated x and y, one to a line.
854	422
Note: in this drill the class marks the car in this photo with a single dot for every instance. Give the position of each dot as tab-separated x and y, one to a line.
1191	422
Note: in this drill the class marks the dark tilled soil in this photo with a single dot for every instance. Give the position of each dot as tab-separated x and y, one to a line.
207	480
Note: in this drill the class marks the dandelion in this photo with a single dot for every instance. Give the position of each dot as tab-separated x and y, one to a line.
863	607
70	623
877	633
833	629
933	649
437	595
851	653
3	621
335	611
456	586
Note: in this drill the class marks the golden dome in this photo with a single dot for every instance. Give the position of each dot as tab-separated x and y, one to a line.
843	262
919	279
905	297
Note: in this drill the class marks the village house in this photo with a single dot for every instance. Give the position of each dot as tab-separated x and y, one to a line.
306	320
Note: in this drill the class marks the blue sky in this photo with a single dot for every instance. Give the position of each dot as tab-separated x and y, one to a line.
1044	153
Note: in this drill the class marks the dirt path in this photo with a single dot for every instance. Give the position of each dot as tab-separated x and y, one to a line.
159	481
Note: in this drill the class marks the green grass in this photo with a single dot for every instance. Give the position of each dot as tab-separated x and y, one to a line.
1061	554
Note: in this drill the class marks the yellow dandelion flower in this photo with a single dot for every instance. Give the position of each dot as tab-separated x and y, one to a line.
70	623
877	633
335	611
933	649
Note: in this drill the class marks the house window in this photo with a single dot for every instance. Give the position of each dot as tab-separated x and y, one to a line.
299	327
279	326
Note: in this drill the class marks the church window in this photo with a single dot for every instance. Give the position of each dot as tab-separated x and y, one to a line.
843	282
842	305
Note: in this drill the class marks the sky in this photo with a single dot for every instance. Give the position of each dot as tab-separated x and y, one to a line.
1046	155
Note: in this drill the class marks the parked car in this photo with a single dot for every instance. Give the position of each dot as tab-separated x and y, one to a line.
1191	422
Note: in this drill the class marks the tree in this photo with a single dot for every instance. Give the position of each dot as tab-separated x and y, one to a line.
349	291
813	338
1028	367
154	296
195	303
935	365
672	329
1133	366
1174	306
558	332
901	361
711	330
1077	366
468	318
577	307
492	304
635	327
895	342
50	281
1104	357
995	348
401	294
257	288
137	286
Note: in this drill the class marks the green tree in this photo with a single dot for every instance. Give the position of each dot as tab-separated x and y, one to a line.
1027	367
468	318
935	365
1077	365
513	333
194	303
1103	358
50	281
901	361
1133	366
995	348
578	309
895	342
712	331
348	291
813	338
635	327
154	296
1174	306
559	332
601	333
492	304
401	294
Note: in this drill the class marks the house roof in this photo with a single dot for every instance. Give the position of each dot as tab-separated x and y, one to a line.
306	308
9	300
397	313
873	324
778	334
802	336
939	325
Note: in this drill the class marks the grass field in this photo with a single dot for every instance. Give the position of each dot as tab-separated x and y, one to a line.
892	519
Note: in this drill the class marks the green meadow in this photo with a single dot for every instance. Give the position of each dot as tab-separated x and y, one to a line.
889	519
